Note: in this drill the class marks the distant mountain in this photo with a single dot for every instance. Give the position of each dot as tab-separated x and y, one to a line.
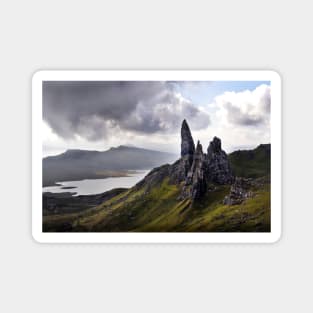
83	164
200	192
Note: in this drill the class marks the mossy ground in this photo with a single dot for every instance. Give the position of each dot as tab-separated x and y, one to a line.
160	210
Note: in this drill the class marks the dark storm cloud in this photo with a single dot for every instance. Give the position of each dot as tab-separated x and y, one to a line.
92	109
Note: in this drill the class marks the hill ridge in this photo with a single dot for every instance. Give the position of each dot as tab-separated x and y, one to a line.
76	164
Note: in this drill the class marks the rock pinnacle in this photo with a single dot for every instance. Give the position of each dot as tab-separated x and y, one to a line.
187	144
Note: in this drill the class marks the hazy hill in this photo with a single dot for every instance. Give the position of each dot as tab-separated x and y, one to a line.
82	164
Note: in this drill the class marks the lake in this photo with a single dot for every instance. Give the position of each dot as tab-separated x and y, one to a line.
94	186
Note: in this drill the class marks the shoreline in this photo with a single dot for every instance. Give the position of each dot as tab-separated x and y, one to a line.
127	173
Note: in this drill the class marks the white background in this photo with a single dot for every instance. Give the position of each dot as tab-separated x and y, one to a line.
155	35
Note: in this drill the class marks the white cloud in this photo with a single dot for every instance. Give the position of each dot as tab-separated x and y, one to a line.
242	119
246	108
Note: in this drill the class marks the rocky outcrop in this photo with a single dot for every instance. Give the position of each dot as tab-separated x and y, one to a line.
180	168
195	171
187	144
239	191
218	167
195	184
199	170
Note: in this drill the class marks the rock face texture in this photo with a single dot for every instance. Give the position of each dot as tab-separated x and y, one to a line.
195	171
239	191
218	167
181	168
187	144
195	183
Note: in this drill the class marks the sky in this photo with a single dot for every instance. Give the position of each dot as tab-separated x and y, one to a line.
97	115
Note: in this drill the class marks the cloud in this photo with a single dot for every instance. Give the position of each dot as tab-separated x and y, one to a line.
246	108
95	110
242	119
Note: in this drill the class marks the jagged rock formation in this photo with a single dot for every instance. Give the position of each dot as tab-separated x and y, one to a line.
187	144
218	167
195	183
195	171
182	166
239	191
202	169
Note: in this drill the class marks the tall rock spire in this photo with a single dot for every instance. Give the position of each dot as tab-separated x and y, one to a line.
215	146
187	144
218	167
196	177
196	170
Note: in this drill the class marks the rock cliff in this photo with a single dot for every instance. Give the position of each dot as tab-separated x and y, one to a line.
187	144
203	169
196	184
218	167
195	170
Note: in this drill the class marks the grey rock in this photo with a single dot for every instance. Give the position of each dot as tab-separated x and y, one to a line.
215	146
179	170
187	144
195	184
218	169
196	172
239	191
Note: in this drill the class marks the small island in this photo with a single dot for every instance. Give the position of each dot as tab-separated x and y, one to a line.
68	187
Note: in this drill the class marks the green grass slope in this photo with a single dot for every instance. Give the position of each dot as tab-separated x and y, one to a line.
159	210
252	163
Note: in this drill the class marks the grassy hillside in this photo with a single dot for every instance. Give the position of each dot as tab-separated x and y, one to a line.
159	210
251	163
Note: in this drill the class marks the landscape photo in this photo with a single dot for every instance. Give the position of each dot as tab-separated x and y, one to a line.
156	156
